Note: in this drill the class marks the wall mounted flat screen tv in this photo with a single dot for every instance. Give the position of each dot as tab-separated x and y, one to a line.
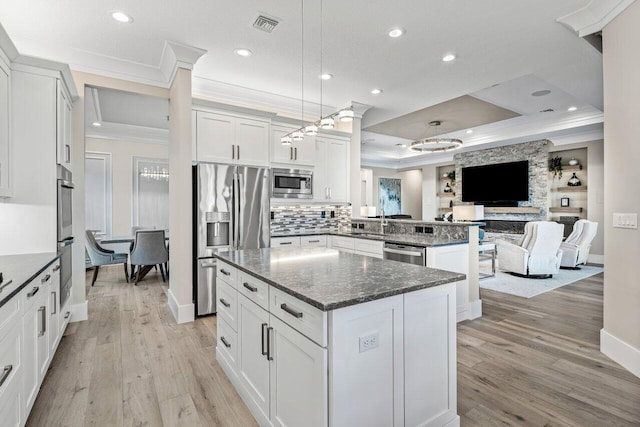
501	184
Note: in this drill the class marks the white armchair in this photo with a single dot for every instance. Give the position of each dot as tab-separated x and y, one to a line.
575	249
538	254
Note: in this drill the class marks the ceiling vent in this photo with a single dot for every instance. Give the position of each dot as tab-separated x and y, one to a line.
264	23
548	110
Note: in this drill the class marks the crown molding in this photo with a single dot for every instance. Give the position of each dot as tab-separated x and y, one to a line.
130	133
177	55
7	46
359	109
594	16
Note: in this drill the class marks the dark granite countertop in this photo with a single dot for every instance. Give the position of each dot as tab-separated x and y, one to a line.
329	279
20	270
400	239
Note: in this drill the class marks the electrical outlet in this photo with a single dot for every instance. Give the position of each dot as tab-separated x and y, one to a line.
419	229
361	226
354	225
323	214
333	214
369	342
273	215
428	230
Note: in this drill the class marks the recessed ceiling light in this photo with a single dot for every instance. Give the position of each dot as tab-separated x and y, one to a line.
469	130
541	92
96	124
243	52
376	91
572	108
396	32
122	17
448	57
326	76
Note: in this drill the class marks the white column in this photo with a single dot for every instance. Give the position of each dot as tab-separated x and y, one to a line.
355	188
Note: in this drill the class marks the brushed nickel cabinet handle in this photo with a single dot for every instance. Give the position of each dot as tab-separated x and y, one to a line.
33	291
225	342
269	356
45	279
296	314
5	374
251	288
56	268
225	272
223	302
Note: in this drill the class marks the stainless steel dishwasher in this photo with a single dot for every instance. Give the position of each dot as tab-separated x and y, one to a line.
405	253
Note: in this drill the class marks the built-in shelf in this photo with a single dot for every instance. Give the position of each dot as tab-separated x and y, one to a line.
445	209
565	210
512	210
570	189
569	168
447	195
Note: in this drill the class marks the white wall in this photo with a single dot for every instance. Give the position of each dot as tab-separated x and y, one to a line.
620	337
411	189
122	153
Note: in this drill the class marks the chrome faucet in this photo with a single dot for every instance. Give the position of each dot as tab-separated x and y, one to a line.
383	221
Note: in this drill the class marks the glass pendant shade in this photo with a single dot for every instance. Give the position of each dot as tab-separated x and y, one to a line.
297	135
327	123
285	140
311	130
345	115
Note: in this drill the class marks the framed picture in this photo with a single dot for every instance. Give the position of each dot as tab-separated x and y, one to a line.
564	202
390	196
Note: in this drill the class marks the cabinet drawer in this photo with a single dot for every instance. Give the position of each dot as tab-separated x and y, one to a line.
313	241
10	362
10	312
254	289
34	291
302	317
339	242
369	246
227	304
228	344
285	242
227	273
11	405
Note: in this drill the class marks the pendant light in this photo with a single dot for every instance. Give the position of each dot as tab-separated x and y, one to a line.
326	122
435	144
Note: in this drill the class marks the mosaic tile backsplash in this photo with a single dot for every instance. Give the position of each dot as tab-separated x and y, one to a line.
305	219
440	230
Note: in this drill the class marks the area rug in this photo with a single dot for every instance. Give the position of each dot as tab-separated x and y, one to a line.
527	288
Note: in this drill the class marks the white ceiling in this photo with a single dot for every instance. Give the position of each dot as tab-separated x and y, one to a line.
495	41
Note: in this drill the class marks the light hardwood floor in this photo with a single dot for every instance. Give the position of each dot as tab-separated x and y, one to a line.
526	362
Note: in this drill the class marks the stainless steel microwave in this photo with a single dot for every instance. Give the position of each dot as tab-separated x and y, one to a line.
291	183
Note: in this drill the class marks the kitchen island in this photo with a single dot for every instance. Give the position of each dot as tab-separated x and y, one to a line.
321	337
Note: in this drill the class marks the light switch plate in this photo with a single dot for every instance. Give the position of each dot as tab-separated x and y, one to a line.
625	220
369	342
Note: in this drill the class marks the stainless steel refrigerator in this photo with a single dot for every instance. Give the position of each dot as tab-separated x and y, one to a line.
231	211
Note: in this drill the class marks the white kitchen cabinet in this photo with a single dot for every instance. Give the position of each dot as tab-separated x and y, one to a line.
11	411
63	115
299	386
299	153
222	138
454	258
427	316
5	130
253	366
36	337
372	248
331	175
313	241
344	244
53	310
285	242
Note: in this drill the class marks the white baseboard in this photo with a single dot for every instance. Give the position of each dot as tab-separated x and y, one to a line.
596	259
454	422
79	312
182	313
620	352
475	309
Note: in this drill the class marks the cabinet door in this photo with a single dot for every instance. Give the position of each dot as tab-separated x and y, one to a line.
30	373
320	178
253	366
299	393
5	140
63	126
252	139
54	312
215	139
280	153
430	335
337	170
305	151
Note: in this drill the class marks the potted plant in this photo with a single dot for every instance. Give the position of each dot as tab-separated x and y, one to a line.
452	178
555	166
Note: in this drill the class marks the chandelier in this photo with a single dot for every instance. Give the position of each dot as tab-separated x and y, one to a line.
326	122
155	173
435	144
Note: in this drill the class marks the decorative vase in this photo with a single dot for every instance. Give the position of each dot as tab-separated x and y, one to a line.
574	181
445	175
573	162
447	189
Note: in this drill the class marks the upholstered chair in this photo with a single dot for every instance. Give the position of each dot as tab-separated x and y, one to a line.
539	253
575	249
100	256
149	249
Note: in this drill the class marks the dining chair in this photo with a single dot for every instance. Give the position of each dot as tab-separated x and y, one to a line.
100	256
137	228
149	249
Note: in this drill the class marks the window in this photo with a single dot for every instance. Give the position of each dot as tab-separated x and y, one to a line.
150	193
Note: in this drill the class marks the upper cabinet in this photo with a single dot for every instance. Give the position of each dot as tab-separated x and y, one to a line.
299	153
223	138
63	115
6	189
331	177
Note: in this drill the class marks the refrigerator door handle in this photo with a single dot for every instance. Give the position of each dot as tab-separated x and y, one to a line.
236	211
